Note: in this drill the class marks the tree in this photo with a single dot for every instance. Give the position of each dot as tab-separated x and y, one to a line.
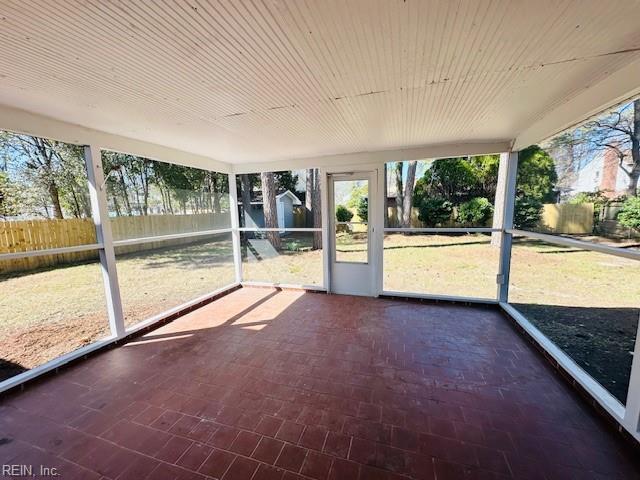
9	197
245	191
535	184
407	195
41	161
475	212
537	177
285	180
270	209
308	198
343	214
397	174
113	165
619	132
454	179
434	211
74	192
312	205
363	209
51	175
485	168
527	213
629	215
405	185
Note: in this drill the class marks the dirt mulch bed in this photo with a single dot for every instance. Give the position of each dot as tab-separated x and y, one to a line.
38	344
600	340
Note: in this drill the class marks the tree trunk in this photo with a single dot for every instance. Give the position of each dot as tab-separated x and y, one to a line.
308	199
407	203
385	196
77	208
399	193
55	200
125	194
634	173
145	190
270	208
245	192
316	209
116	206
216	194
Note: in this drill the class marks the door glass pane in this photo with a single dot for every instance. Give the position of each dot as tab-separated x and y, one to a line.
351	203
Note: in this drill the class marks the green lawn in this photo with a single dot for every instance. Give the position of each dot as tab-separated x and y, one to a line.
586	302
46	313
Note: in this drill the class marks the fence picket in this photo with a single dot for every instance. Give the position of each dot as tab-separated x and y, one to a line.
29	235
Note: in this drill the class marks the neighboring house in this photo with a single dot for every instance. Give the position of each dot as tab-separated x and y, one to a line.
602	173
285	202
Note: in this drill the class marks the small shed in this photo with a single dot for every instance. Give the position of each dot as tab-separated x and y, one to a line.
285	202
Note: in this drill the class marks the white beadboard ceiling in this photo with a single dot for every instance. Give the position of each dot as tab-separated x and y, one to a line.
257	80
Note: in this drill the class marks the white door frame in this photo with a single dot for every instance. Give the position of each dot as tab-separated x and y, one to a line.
376	221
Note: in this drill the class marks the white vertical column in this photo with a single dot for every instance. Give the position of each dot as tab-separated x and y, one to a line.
326	246
380	207
506	204
235	224
100	213
498	212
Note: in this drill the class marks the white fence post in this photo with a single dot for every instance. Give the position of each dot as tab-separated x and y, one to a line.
235	224
507	206
100	213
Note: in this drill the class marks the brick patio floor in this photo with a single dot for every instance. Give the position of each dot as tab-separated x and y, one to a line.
265	384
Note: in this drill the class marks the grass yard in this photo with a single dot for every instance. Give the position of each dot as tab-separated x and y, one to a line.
462	265
295	264
47	313
586	302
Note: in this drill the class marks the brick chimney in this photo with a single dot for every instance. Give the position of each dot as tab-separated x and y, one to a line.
609	174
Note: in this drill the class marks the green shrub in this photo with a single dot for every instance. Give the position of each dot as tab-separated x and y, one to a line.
363	209
629	215
477	211
527	213
434	211
343	214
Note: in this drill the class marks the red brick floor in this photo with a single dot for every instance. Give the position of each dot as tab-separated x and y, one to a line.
283	385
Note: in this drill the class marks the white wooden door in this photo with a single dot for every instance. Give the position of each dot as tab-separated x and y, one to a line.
350	232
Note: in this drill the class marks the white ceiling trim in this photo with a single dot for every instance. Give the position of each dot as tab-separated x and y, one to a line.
377	157
20	121
615	88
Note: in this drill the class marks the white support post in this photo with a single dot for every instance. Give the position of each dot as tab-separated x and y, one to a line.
100	213
235	225
378	221
508	170
326	247
631	419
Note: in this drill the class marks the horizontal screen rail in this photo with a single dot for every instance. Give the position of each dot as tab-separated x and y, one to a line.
51	251
443	230
581	244
447	298
160	238
250	229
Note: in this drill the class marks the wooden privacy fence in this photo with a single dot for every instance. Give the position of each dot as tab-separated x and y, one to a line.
29	235
555	218
576	219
